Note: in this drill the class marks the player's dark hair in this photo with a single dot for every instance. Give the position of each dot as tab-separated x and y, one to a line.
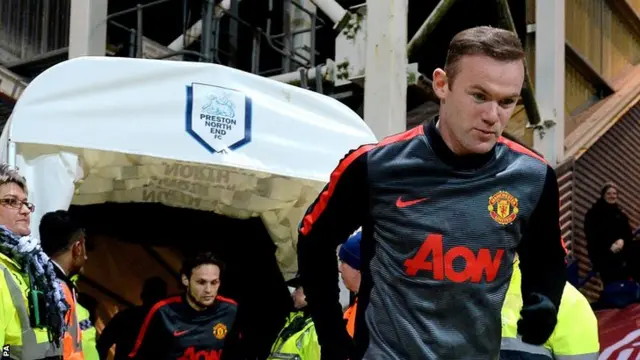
58	232
203	258
498	44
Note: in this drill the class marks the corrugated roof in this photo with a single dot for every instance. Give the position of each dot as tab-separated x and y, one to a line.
598	119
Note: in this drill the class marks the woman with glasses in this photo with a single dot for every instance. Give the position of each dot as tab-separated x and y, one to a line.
32	306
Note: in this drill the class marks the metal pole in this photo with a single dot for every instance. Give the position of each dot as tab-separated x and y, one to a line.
139	36
548	138
87	28
233	34
255	52
312	40
303	31
420	37
287	40
132	43
293	77
186	39
333	10
44	35
207	31
385	88
528	96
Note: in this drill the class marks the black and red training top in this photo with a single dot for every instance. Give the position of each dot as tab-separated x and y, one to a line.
173	330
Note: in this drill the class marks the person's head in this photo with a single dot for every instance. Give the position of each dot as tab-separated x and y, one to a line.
349	256
609	193
297	295
299	299
15	209
201	277
154	289
478	88
63	240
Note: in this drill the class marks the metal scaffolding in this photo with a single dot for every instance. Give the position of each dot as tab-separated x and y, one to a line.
295	42
279	40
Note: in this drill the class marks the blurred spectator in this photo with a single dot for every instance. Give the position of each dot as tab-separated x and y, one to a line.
86	309
349	256
608	233
123	329
298	338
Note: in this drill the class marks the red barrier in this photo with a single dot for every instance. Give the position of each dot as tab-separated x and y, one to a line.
619	333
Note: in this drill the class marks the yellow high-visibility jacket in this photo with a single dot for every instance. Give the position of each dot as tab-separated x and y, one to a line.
296	345
575	336
18	339
89	348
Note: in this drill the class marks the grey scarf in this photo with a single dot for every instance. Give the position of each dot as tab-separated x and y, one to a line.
26	251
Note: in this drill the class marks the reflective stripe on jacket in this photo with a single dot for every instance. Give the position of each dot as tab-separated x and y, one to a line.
18	339
574	338
72	340
89	348
297	340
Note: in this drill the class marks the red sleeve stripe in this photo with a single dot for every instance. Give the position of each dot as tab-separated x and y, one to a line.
227	300
325	196
521	149
147	321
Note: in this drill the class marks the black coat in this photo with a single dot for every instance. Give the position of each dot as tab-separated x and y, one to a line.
604	224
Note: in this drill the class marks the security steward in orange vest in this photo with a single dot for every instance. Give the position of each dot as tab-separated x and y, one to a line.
349	256
64	242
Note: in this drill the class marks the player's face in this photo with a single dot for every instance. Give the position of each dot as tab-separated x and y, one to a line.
14	213
203	285
476	107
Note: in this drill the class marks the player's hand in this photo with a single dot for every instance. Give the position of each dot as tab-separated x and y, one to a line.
617	246
539	318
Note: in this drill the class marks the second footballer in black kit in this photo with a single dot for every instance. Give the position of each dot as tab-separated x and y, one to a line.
195	326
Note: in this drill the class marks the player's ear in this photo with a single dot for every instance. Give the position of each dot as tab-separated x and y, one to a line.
440	83
185	280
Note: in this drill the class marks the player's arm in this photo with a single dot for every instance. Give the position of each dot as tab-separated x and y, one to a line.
542	263
147	341
108	335
338	211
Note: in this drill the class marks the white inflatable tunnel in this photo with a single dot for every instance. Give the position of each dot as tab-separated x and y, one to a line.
148	135
201	136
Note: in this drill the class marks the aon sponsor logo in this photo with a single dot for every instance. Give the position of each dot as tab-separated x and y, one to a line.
432	258
192	354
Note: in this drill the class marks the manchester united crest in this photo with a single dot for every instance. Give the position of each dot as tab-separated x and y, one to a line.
220	331
503	207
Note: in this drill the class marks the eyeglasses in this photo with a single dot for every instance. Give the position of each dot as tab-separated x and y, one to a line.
17	204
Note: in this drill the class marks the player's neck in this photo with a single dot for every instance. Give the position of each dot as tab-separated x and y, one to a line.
437	137
448	139
194	305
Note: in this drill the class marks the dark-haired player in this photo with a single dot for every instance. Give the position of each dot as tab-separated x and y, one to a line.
194	326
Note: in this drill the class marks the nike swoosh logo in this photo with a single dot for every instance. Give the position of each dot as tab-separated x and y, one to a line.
402	203
180	332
